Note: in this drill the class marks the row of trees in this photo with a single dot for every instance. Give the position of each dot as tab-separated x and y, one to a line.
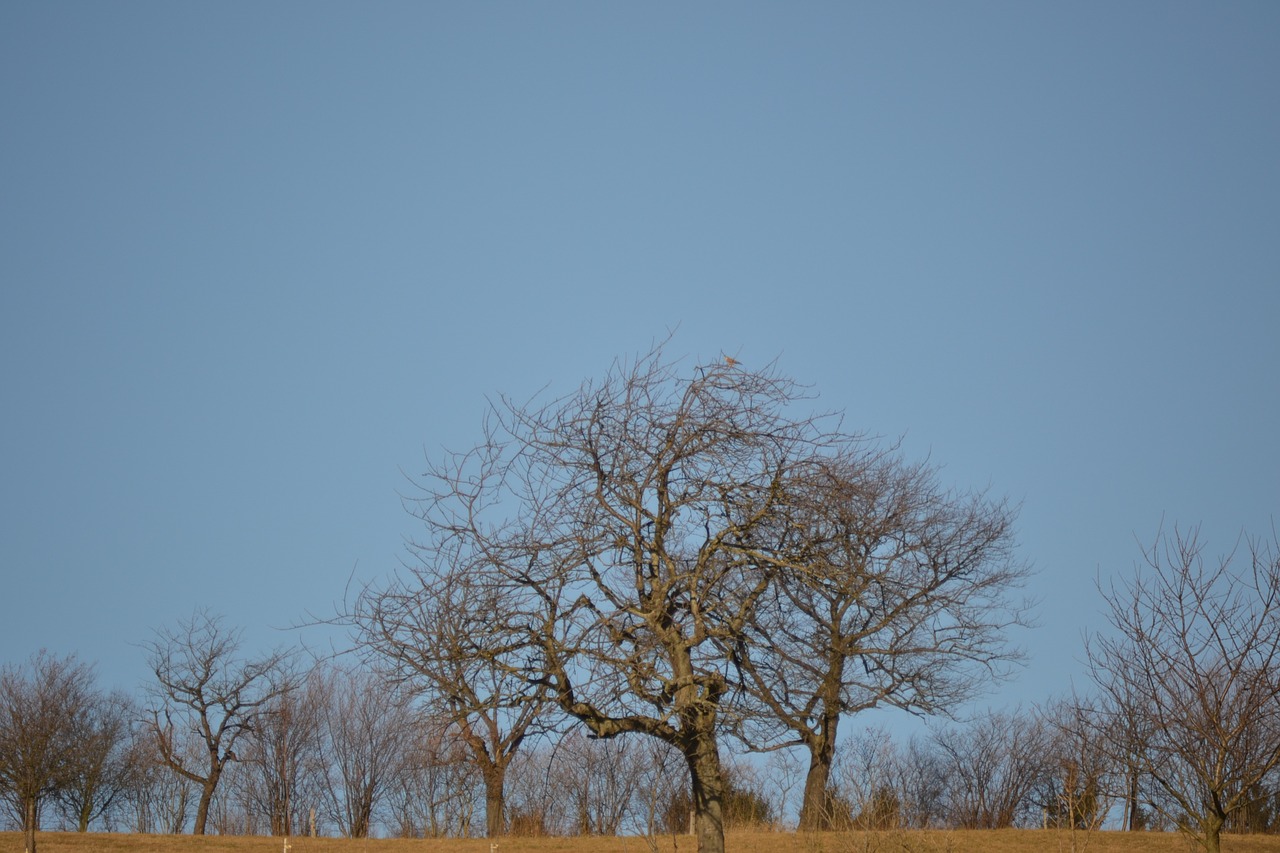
345	753
343	750
692	560
220	742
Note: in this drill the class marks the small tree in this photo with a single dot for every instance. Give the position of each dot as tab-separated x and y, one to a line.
281	761
102	770
206	697
993	765
602	779
1076	792
1195	655
437	792
369	728
157	798
43	706
448	637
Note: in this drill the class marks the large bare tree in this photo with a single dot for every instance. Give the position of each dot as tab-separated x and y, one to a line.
43	707
625	534
905	598
1194	653
206	696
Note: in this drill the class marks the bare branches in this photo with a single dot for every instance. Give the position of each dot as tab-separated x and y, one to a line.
451	636
603	550
902	597
641	550
206	694
1192	659
43	709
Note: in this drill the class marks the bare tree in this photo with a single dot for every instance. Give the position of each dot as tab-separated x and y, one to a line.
905	600
866	769
1195	655
1078	780
102	770
628	531
662	776
992	766
647	547
578	785
923	783
283	757
439	789
369	727
157	799
206	697
447	635
42	708
1122	729
599	778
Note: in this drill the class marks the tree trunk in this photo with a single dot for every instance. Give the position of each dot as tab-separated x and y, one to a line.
362	813
815	808
1213	832
1212	840
703	757
282	813
1131	804
584	813
30	821
206	798
495	801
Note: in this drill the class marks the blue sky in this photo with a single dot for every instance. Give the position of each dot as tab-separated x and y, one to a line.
256	259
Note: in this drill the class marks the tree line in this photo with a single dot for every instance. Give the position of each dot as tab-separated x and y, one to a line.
346	753
658	571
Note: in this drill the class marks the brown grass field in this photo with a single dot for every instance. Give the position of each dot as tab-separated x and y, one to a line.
893	841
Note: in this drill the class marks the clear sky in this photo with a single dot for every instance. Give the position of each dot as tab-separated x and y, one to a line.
256	259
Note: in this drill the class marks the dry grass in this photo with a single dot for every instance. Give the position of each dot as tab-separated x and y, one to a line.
892	841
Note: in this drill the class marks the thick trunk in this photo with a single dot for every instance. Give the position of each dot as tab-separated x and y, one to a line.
1213	832
493	771
816	810
703	757
202	812
494	802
